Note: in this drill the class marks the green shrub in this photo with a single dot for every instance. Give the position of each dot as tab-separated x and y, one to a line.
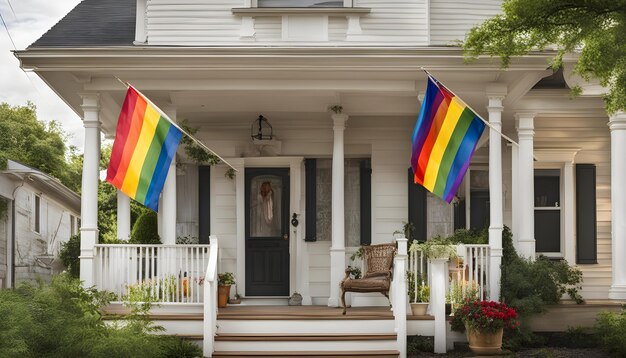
416	344
611	332
69	255
146	229
63	319
470	237
530	286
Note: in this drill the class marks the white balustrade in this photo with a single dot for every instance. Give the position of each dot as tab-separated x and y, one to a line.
163	273
476	268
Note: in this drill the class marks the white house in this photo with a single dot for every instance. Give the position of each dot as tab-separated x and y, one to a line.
342	175
37	215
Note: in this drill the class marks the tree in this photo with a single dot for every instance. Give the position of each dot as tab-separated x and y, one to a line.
594	28
37	144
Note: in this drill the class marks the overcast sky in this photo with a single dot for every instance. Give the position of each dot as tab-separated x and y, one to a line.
31	20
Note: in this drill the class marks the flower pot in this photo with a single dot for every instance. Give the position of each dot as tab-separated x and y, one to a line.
295	300
485	342
223	293
419	308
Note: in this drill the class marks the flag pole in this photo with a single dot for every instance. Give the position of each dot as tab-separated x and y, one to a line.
197	141
473	110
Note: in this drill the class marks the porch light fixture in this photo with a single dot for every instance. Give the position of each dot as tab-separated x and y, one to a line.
263	129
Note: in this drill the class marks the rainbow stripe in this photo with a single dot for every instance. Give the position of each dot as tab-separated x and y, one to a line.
444	140
145	143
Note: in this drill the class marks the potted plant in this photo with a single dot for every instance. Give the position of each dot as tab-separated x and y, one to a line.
236	300
459	292
224	281
435	248
419	296
484	323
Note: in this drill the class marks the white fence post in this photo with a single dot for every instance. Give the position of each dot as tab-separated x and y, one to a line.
439	277
210	300
400	294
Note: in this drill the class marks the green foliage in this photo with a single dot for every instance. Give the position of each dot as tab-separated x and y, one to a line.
436	247
417	344
194	151
63	319
469	237
354	272
594	28
70	251
530	286
611	331
422	293
145	231
187	240
225	278
408	230
37	144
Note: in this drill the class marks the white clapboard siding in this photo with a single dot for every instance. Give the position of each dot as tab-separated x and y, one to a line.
211	22
593	137
451	19
192	22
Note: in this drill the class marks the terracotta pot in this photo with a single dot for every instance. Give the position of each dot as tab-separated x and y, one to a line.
223	293
419	308
484	342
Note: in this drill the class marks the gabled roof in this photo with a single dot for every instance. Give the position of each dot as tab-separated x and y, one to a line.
48	184
93	23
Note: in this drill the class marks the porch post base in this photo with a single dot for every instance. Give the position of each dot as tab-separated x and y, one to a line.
337	272
617	292
526	248
88	238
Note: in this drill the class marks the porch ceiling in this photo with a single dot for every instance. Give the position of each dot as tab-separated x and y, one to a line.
232	86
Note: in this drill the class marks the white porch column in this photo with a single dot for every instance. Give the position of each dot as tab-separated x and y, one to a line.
337	249
526	185
617	124
123	216
515	195
495	94
399	295
439	277
89	189
168	207
569	214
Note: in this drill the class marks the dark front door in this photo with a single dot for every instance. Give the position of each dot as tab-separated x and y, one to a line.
267	232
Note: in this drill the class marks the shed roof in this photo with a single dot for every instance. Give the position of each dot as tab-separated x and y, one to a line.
93	23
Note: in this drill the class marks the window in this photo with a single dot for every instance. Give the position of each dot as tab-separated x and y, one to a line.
357	203
72	225
300	3
548	211
37	214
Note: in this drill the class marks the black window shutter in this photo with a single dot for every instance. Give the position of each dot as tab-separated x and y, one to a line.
459	215
417	208
204	204
366	201
586	230
310	198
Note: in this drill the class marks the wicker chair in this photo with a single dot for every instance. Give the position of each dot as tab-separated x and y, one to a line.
378	262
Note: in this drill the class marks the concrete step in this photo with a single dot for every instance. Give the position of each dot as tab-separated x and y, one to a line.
311	354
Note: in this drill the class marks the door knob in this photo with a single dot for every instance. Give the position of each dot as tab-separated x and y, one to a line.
286	237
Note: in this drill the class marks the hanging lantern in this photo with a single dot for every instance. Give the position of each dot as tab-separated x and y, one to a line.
261	129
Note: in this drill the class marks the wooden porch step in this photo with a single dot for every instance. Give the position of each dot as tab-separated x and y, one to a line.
311	354
304	337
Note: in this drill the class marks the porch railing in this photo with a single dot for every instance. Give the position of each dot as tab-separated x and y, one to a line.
164	273
469	271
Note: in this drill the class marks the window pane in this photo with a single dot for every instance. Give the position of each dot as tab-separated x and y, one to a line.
265	206
548	230
299	3
37	213
547	188
352	201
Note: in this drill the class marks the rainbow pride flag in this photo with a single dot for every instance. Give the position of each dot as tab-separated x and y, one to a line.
444	140
145	143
